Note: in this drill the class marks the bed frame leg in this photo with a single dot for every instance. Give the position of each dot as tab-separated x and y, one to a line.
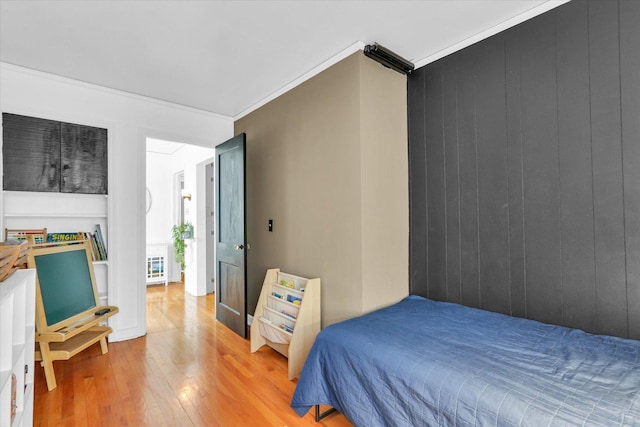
324	414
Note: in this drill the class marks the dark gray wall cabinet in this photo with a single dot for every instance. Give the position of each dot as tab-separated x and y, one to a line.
50	156
524	164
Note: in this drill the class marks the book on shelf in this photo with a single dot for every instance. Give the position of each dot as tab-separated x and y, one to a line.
294	299
289	314
286	328
100	241
94	248
98	252
65	237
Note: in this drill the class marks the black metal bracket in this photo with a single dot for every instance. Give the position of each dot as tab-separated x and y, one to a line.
324	414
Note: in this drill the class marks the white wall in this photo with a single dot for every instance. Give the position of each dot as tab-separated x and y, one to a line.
159	181
161	215
130	119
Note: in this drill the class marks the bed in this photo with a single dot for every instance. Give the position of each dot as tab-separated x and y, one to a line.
427	363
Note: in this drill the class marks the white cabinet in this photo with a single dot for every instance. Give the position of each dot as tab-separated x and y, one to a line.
17	334
287	317
157	257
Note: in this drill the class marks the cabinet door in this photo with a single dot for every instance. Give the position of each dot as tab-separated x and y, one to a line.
83	159
30	153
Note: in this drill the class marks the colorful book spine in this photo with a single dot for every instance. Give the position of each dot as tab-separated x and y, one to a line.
65	237
94	250
101	245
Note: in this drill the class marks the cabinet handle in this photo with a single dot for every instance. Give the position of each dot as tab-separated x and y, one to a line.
65	167
53	165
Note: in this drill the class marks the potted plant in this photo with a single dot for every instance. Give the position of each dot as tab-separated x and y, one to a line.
180	233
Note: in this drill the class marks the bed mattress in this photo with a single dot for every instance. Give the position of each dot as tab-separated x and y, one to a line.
427	363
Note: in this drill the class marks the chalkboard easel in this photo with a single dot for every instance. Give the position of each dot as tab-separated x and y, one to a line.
68	310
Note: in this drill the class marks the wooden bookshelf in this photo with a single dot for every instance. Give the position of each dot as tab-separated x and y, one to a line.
287	317
17	335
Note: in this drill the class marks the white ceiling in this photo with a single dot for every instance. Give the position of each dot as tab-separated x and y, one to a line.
160	146
227	57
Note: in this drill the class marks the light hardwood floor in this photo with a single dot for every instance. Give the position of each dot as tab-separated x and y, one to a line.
189	370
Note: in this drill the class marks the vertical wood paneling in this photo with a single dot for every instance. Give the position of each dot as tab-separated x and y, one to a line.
630	102
532	141
417	184
468	180
436	207
540	169
450	118
576	183
606	137
493	192
514	177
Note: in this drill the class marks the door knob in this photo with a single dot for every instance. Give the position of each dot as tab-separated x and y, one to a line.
238	247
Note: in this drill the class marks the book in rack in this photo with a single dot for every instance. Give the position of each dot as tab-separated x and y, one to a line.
287	317
96	241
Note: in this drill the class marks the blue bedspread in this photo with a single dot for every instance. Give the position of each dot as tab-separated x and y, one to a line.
427	363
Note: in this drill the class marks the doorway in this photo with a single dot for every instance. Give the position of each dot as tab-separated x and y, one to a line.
175	180
162	209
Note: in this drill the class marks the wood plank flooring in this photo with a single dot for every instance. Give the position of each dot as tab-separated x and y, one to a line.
189	370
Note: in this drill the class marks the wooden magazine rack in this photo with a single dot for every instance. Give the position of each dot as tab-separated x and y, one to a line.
69	317
287	317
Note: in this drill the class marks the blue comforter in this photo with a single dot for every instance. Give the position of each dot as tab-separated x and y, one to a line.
428	363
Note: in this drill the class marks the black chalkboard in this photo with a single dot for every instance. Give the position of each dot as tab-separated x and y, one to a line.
65	284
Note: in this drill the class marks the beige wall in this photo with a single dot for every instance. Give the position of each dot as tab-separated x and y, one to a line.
327	161
384	185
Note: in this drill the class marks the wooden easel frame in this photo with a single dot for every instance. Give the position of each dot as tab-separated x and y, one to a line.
64	339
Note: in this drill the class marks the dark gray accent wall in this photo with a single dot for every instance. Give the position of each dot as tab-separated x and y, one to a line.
524	171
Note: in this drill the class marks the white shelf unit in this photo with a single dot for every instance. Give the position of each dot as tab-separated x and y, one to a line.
61	213
287	326
156	266
17	335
